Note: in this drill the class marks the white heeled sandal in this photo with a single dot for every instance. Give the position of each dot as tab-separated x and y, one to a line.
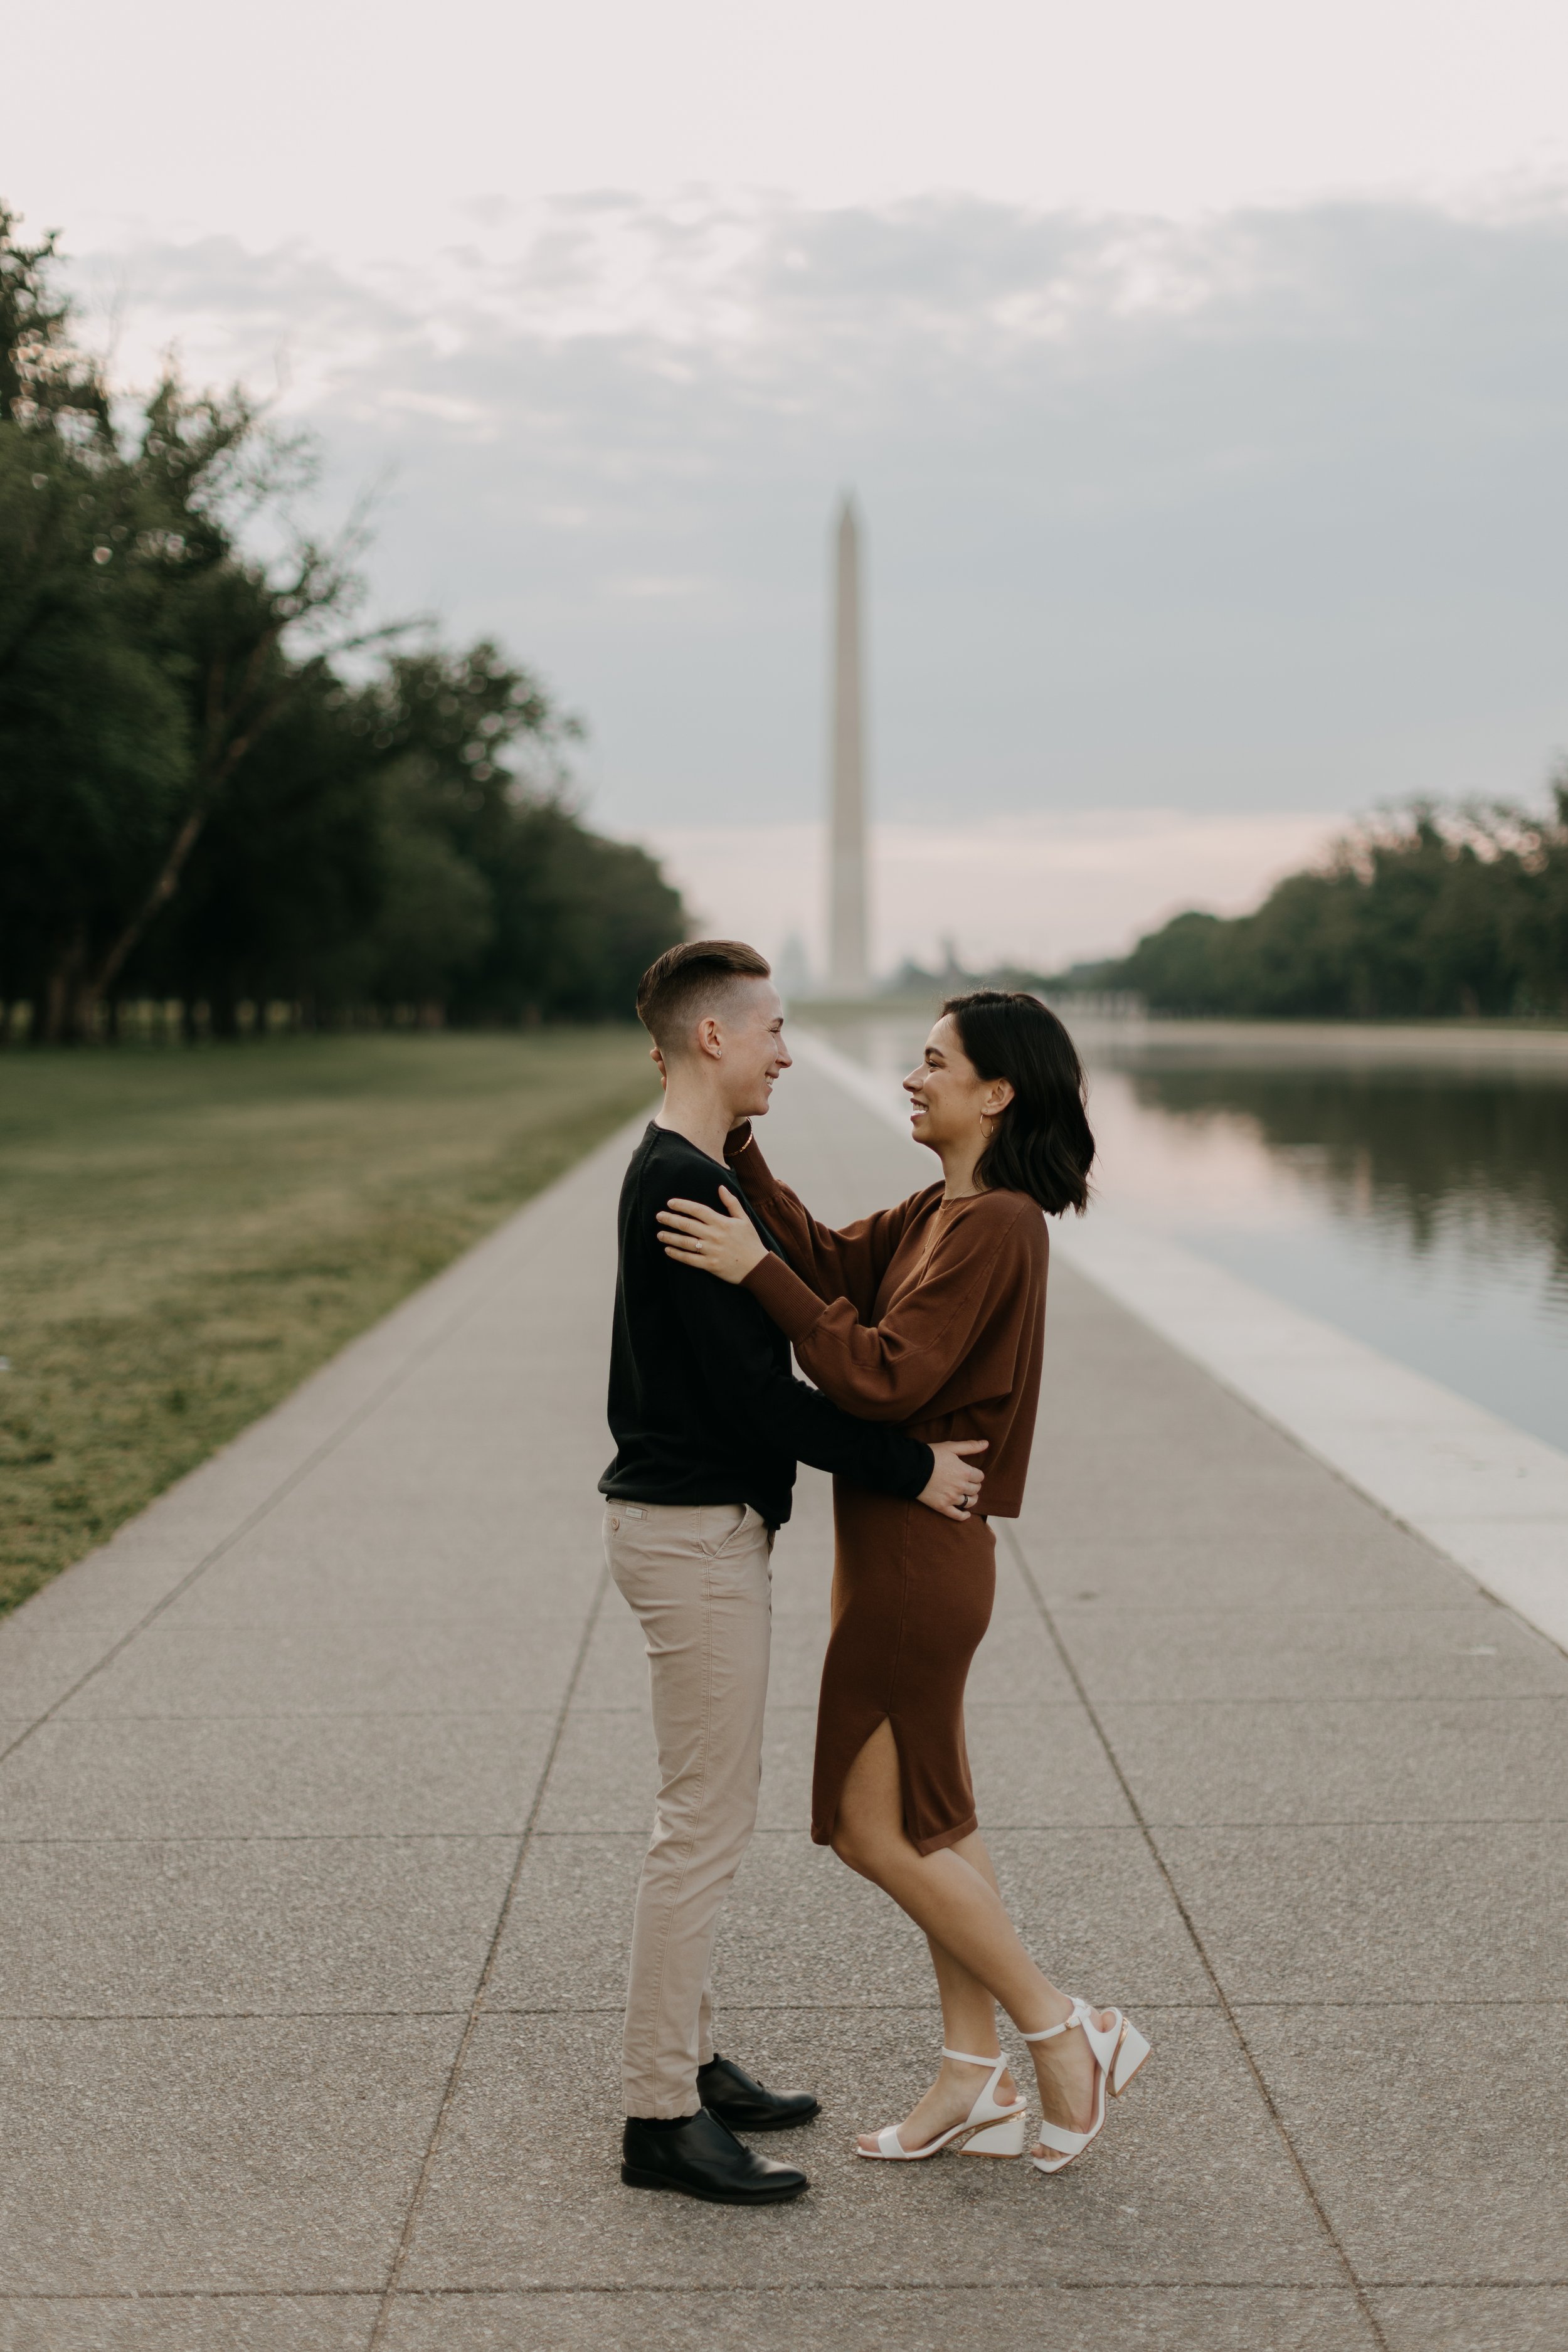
1003	2136
1118	2050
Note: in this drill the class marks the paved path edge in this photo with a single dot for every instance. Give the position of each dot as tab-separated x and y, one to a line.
62	1635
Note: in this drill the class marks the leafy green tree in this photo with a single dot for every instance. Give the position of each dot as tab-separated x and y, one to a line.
438	911
1537	923
1424	914
286	877
570	921
1179	967
578	920
94	745
194	801
142	655
95	735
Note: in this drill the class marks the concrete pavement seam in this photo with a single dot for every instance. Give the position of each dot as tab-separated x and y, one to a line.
476	2007
983	2281
738	2008
944	2285
283	1837
1308	2185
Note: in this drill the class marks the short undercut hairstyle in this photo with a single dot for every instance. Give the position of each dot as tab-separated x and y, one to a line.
690	982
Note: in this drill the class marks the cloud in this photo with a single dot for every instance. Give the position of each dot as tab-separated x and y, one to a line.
1261	512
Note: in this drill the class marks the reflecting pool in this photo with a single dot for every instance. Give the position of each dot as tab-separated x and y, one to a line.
1420	1205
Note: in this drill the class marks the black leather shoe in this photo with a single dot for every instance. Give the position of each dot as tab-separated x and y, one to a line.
731	2096
702	2158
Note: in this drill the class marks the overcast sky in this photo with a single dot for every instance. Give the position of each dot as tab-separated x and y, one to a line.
1201	375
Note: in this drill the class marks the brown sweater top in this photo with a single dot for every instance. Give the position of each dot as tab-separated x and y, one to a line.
931	1314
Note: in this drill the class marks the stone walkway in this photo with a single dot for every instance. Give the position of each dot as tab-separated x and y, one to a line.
325	1787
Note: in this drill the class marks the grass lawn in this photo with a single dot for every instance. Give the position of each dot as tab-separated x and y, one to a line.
184	1235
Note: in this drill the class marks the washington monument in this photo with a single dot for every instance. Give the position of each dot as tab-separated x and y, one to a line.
846	971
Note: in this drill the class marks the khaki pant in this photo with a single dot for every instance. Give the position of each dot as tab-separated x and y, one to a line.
700	1577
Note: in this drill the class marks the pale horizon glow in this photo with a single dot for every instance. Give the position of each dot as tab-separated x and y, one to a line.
1039	892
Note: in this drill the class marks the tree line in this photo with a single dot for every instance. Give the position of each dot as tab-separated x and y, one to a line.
216	789
1425	913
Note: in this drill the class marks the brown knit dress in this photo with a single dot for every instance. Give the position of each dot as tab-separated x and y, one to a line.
930	1314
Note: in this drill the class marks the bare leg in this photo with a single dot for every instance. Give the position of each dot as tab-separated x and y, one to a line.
968	2011
954	1898
968	2022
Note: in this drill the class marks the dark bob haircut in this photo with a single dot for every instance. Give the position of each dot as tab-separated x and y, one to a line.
1042	1145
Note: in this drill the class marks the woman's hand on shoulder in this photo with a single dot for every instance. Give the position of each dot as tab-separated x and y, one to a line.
694	1234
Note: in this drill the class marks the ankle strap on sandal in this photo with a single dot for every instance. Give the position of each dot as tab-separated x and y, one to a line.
968	2058
1080	2015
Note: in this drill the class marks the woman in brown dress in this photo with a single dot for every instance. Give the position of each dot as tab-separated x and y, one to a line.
932	1314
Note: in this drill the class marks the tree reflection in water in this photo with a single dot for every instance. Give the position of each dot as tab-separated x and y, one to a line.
1421	1205
1433	1153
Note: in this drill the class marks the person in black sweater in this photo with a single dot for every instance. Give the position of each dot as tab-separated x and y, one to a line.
704	1407
709	1422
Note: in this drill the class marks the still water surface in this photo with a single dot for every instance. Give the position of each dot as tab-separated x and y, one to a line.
1422	1208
